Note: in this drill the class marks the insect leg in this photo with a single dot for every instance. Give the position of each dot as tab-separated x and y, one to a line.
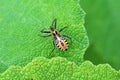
43	31
62	28
53	48
68	37
54	23
45	36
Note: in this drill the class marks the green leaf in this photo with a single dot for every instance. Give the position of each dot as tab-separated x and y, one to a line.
103	26
60	69
21	22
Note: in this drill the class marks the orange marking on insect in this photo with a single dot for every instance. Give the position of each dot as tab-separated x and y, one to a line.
63	45
60	41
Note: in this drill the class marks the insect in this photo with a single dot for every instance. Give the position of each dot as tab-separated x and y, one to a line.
59	40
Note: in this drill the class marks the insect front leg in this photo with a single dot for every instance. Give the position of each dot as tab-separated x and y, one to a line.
44	31
46	36
62	28
53	48
68	38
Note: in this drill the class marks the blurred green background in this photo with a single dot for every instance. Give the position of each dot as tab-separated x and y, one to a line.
102	22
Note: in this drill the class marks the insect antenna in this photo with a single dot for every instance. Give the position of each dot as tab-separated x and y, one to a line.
54	23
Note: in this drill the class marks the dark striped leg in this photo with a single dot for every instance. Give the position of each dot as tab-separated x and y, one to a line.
46	36
62	28
44	31
68	38
53	48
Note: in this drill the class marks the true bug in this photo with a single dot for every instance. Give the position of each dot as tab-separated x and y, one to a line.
59	40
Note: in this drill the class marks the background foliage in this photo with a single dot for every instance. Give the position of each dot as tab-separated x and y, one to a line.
103	26
59	68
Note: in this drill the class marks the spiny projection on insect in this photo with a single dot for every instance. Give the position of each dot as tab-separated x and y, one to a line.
59	40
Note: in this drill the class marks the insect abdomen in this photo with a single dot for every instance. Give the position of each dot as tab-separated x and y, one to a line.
63	45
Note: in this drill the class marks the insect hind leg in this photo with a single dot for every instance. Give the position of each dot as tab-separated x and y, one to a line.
52	49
